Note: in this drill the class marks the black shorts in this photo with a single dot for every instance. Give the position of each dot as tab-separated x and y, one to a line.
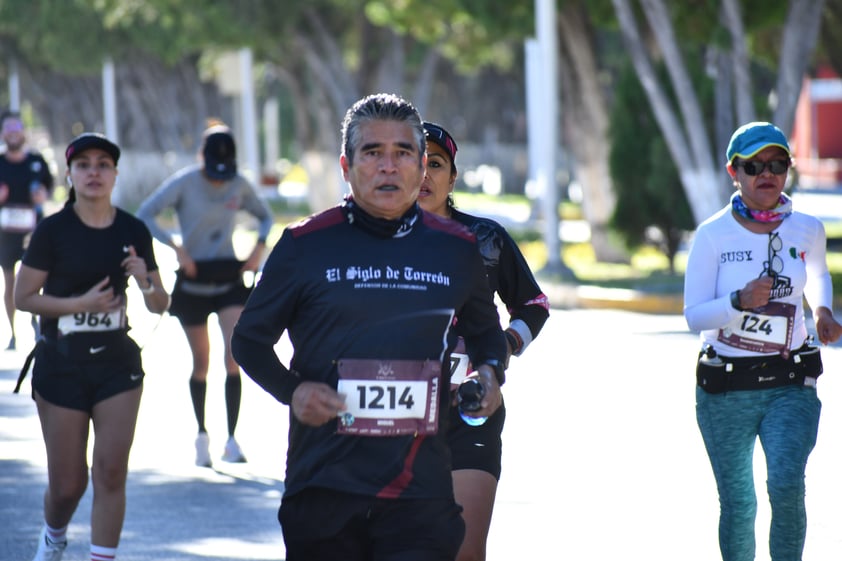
326	525
78	384
194	309
12	247
479	447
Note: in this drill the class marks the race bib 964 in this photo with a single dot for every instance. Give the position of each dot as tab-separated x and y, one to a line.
92	321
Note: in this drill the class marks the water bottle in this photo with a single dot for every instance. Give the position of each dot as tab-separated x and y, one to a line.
469	398
709	357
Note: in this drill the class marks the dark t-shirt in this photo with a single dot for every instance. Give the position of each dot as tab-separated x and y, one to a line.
19	177
17	214
76	256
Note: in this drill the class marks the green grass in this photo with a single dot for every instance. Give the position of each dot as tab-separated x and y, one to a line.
833	230
647	270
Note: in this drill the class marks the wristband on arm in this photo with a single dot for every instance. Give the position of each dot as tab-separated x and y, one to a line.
515	340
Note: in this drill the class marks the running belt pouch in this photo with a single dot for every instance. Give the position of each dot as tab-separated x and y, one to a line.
757	373
217	271
711	376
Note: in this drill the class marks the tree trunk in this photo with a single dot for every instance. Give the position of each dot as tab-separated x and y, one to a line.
585	116
687	100
723	114
423	90
741	70
800	35
686	139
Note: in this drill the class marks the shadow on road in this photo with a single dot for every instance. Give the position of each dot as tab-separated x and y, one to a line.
178	513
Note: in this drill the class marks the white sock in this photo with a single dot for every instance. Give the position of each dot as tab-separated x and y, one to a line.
99	553
56	535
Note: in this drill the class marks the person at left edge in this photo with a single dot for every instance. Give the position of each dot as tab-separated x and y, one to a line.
87	368
25	183
207	199
368	292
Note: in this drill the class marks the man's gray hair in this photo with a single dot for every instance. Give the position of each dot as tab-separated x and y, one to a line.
380	107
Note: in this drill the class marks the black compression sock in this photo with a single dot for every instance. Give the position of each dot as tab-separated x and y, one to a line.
233	394
198	390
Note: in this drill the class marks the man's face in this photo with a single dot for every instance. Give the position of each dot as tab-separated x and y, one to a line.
12	133
388	169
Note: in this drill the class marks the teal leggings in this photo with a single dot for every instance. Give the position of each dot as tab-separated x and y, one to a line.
787	420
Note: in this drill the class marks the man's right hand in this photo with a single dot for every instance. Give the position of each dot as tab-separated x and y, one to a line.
315	403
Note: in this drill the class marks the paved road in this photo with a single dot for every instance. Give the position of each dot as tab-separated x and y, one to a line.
602	457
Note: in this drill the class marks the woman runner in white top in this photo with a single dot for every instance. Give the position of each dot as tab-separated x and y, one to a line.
749	269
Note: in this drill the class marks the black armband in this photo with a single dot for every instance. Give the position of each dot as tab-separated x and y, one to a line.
735	300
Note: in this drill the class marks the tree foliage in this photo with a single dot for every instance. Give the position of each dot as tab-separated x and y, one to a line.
320	55
685	127
831	35
472	33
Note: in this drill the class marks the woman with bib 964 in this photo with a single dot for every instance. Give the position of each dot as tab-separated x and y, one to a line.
87	369
749	269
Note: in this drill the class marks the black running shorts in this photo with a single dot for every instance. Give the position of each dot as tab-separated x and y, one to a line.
82	384
11	249
478	447
192	309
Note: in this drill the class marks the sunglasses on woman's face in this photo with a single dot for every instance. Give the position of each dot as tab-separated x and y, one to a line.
753	167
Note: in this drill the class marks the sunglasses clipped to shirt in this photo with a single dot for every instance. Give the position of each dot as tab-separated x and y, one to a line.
754	167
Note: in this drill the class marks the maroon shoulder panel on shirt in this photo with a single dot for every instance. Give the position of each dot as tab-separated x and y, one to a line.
319	221
437	222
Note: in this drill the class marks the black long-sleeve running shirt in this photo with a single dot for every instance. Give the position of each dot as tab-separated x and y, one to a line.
509	275
343	291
